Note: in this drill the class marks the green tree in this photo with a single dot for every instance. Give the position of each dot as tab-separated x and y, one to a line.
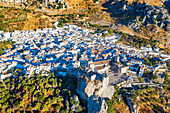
79	109
141	79
21	103
154	76
38	106
9	110
35	92
5	105
47	85
32	96
110	106
57	108
116	95
1	51
45	108
133	97
146	61
32	89
54	84
25	96
150	64
152	40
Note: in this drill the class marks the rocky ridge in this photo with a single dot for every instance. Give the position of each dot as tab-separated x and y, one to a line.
141	14
151	15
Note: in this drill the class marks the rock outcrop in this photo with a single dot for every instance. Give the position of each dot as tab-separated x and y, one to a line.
75	104
151	15
94	89
87	88
144	14
96	105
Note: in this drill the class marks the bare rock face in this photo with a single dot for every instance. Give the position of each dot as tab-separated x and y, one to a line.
151	15
94	93
81	86
107	92
96	105
86	88
75	104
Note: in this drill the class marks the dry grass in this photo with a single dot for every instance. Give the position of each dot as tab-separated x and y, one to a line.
95	12
148	2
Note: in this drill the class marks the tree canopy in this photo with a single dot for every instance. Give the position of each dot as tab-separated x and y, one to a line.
35	94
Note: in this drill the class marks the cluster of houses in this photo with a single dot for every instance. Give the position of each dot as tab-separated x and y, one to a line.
23	1
47	3
67	49
98	61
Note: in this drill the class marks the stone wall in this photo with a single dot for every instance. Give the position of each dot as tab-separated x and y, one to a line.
86	88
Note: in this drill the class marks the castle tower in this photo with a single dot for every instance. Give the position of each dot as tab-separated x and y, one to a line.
116	58
105	82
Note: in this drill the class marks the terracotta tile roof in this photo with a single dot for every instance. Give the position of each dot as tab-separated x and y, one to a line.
99	67
102	62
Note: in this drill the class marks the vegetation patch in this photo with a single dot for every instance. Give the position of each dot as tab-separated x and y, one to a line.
5	45
37	94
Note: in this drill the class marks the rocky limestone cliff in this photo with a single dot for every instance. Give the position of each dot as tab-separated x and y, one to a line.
152	15
87	88
94	92
96	104
81	89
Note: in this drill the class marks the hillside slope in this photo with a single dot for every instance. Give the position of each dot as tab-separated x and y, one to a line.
148	2
139	21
